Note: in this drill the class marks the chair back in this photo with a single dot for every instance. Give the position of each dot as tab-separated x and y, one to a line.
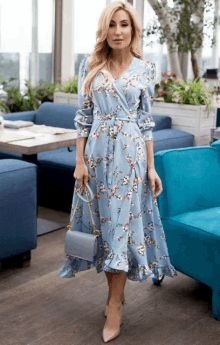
56	115
190	178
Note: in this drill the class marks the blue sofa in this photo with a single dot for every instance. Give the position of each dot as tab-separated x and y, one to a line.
189	207
56	168
18	212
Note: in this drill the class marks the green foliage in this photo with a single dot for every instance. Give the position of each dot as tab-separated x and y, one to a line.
33	97
70	86
45	91
16	102
187	34
192	92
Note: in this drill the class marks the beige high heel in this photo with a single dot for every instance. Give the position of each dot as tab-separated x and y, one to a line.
105	334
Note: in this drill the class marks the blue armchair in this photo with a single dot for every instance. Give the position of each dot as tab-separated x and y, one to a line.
190	213
18	211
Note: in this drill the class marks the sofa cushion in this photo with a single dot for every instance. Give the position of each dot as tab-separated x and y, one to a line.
167	139
56	115
193	239
161	122
60	157
11	165
5	154
206	220
21	115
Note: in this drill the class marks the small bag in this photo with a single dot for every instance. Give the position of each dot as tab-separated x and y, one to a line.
80	244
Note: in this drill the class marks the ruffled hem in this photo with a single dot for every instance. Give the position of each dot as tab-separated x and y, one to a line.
116	262
73	266
140	273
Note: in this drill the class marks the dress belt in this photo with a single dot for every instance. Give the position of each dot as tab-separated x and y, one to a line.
109	149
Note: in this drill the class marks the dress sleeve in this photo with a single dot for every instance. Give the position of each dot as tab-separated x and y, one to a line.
145	119
84	115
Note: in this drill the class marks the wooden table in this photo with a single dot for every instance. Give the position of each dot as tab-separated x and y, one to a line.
34	139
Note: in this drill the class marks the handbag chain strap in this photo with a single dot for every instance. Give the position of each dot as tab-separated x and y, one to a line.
96	232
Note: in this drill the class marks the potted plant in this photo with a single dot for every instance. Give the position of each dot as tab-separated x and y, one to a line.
67	93
188	103
16	102
45	91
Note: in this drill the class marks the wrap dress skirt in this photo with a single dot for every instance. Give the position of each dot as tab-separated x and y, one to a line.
116	120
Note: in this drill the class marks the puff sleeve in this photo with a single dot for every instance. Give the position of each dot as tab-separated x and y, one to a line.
84	115
145	119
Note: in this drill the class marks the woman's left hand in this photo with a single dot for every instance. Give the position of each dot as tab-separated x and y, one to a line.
155	182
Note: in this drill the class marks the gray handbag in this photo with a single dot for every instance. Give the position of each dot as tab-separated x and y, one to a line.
80	244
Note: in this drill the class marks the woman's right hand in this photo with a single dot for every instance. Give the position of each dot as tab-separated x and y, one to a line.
81	174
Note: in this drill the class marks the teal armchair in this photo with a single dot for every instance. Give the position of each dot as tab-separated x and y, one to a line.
189	207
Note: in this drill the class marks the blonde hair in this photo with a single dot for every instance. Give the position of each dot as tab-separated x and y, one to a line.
99	57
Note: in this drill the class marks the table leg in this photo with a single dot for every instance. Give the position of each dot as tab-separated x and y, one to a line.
31	159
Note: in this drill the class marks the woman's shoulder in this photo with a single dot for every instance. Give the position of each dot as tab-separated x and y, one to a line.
85	62
145	63
148	66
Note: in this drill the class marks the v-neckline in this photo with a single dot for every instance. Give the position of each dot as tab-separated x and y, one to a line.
124	70
129	66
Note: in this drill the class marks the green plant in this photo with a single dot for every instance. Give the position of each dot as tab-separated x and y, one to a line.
34	96
70	86
192	92
45	91
16	102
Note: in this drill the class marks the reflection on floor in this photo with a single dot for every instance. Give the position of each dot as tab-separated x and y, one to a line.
50	220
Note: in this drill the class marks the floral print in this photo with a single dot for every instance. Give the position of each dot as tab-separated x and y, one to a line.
117	122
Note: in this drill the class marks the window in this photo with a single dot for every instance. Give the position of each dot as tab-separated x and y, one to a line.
16	41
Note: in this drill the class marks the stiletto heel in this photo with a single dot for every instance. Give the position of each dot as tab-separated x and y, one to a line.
105	334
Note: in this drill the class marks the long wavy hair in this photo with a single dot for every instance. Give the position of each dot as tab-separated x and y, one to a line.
100	55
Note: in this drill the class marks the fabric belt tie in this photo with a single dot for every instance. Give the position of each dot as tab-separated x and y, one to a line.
110	147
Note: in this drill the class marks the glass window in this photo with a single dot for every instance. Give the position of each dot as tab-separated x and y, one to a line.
16	40
45	28
85	27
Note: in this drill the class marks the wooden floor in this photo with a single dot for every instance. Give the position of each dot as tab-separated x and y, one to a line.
39	308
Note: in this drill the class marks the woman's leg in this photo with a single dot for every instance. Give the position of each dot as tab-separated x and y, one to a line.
117	285
113	320
109	279
114	317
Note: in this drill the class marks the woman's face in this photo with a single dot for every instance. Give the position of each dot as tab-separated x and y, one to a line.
119	28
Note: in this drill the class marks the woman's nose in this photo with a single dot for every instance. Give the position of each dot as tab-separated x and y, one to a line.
118	30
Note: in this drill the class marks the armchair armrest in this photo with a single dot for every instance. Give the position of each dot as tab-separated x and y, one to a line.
23	115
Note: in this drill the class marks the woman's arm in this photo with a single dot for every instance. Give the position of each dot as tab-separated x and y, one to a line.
150	153
80	146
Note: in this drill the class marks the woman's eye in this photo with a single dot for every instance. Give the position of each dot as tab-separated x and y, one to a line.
122	25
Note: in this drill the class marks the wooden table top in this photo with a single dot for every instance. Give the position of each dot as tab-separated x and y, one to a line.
37	138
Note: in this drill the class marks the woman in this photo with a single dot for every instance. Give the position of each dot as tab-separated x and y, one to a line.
115	156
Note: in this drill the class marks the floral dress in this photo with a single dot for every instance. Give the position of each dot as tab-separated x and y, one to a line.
117	122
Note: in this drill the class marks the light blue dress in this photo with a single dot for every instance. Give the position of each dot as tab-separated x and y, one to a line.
117	121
